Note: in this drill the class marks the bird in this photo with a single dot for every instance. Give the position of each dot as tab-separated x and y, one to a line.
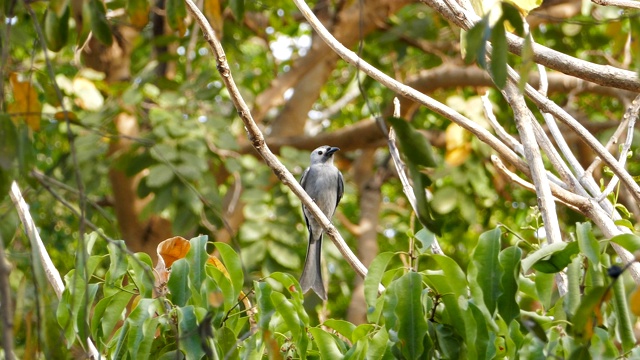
325	185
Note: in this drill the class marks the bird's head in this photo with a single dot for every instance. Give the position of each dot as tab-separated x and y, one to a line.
323	154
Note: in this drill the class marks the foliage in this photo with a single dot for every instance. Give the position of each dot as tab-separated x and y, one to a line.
495	310
491	295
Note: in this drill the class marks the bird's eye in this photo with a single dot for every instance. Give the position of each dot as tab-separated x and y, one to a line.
320	152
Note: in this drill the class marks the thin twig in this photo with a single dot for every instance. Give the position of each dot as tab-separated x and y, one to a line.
5	300
629	117
257	139
632	4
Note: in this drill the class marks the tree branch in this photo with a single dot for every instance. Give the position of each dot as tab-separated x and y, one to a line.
52	274
258	141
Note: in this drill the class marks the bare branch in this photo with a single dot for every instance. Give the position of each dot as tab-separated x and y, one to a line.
619	3
52	274
630	117
257	139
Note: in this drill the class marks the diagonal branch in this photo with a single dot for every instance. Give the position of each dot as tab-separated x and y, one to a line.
257	139
52	274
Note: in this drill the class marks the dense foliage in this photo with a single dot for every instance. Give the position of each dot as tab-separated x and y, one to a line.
116	125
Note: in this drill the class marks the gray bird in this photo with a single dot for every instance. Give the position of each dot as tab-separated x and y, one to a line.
324	184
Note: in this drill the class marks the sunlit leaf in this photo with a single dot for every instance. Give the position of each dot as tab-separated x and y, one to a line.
25	106
212	10
138	12
458	145
88	97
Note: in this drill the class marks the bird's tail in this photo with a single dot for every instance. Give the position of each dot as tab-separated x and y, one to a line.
311	277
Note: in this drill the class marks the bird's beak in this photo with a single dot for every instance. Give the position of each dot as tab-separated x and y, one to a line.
331	151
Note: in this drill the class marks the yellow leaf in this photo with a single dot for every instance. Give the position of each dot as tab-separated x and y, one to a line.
214	15
634	301
458	146
88	96
26	105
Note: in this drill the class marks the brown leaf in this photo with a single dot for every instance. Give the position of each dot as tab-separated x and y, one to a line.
25	104
169	251
172	249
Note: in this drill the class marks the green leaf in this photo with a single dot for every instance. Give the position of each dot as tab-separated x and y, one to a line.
99	24
476	43
228	342
56	28
483	341
559	259
233	264
343	327
374	277
426	238
237	8
545	251
454	274
143	274
178	283
510	263
264	303
379	345
197	258
412	325
108	312
118	262
544	288
511	14
499	55
630	242
425	215
327	344
587	242
450	294
289	314
190	336
138	324
176	14
623	318
487	272
449	342
414	145
585	318
159	175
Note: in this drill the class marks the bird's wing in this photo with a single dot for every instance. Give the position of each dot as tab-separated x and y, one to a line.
302	179
303	183
340	188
